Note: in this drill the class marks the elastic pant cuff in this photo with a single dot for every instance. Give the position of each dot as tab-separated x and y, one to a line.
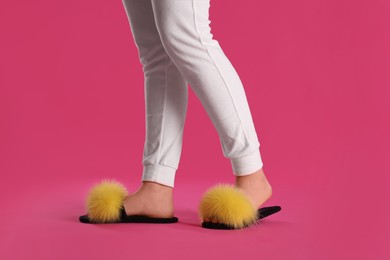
159	173
247	165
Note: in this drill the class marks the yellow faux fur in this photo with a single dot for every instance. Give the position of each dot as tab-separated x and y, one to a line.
228	204
104	201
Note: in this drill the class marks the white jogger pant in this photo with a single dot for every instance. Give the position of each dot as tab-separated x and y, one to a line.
176	47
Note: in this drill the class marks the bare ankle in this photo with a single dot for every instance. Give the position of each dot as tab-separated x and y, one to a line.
256	186
155	186
255	176
151	199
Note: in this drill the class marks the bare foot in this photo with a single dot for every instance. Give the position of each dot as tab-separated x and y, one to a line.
151	199
256	186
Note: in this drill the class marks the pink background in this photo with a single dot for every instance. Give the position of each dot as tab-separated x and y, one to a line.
316	74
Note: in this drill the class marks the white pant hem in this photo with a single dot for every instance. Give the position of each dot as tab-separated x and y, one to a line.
247	165
159	173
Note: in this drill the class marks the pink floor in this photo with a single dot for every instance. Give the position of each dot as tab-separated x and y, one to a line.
316	75
329	210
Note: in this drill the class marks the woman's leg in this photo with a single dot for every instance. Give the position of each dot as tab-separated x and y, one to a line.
183	26
166	96
166	105
184	29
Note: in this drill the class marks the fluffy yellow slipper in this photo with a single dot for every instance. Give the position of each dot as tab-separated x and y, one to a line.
228	207
105	205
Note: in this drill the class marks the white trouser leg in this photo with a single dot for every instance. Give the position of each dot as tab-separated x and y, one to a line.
166	96
183	26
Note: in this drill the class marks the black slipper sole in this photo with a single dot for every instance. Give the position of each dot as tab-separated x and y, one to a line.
261	213
124	218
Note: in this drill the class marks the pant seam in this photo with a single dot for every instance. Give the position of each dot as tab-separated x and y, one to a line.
163	117
219	71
